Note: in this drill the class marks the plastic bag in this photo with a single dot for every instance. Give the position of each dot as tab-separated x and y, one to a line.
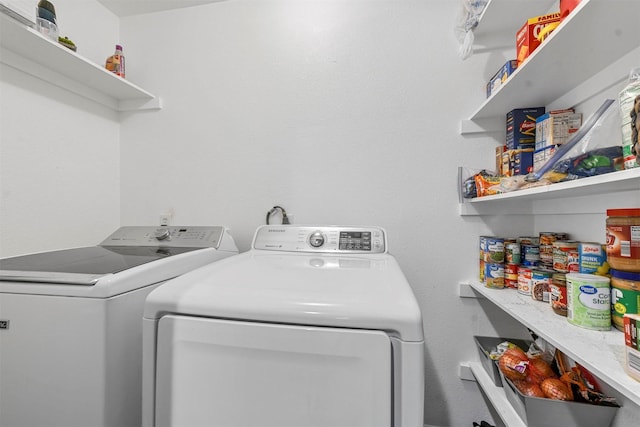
600	131
468	19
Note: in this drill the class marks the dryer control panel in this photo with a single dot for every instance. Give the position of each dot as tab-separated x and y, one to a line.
324	239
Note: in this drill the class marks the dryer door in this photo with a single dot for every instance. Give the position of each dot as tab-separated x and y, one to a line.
222	373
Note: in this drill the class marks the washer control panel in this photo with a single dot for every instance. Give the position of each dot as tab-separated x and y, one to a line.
177	237
325	239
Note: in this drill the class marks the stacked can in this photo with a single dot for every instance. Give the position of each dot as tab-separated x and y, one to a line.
492	261
511	263
541	276
529	259
565	260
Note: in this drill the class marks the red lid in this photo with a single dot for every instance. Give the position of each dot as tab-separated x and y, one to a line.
623	212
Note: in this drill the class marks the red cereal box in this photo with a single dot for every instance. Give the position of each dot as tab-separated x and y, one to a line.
527	37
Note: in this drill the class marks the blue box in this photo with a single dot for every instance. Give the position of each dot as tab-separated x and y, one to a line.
521	127
501	76
522	161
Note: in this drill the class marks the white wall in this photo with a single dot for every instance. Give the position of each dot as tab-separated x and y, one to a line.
59	153
343	112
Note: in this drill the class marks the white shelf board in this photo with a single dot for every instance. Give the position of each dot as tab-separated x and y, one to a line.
601	352
626	180
506	17
27	50
597	33
496	396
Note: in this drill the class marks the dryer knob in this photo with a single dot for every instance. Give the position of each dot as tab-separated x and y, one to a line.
163	234
316	239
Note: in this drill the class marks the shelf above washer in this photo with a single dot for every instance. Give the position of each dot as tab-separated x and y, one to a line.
25	49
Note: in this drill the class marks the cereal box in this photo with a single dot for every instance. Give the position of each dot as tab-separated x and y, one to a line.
527	37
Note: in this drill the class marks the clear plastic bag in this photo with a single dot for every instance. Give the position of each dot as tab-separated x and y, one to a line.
593	150
468	18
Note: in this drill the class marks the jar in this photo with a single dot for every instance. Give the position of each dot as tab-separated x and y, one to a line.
558	293
623	239
625	296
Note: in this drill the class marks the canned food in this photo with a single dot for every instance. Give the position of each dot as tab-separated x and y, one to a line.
512	253
546	246
558	293
495	250
561	251
588	301
592	258
540	281
530	255
524	280
511	276
494	275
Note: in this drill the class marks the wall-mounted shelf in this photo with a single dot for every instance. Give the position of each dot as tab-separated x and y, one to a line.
27	50
579	48
520	201
492	21
601	352
496	396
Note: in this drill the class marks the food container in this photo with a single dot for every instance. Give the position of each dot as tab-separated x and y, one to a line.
592	258
540	281
589	301
542	412
486	345
625	296
562	260
558	293
623	239
524	280
494	275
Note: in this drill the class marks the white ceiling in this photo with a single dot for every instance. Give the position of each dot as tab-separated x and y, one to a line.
136	7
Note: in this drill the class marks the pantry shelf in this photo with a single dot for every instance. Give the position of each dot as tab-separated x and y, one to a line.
492	20
25	49
601	352
496	396
580	47
521	200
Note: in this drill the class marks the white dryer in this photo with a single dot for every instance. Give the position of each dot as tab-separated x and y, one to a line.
313	326
71	324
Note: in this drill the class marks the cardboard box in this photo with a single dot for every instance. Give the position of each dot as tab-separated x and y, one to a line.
500	77
527	37
499	161
556	127
542	156
542	412
521	127
521	161
486	345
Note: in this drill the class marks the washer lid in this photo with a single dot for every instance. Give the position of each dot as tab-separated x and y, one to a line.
365	292
80	266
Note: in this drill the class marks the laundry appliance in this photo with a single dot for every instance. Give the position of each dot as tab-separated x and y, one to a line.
71	323
313	326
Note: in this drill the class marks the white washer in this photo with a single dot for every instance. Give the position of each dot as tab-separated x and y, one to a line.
314	326
71	323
